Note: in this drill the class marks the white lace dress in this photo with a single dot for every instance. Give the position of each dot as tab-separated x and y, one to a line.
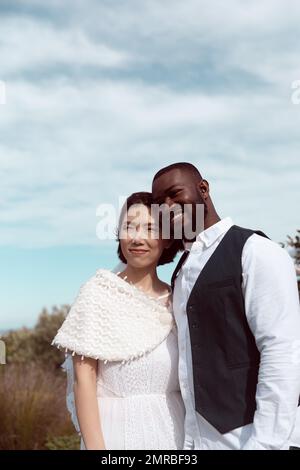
139	398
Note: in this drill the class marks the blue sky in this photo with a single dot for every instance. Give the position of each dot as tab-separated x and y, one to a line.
101	94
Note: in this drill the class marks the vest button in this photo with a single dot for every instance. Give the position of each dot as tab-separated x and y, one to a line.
194	325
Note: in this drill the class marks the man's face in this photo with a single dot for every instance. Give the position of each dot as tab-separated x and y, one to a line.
181	193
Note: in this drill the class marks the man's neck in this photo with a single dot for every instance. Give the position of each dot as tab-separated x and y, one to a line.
209	221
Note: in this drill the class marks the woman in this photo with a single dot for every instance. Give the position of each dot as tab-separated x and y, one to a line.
124	345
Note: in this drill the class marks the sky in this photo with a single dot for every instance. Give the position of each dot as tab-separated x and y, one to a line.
99	95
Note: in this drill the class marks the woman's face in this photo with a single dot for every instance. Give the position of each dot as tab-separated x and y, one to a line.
140	238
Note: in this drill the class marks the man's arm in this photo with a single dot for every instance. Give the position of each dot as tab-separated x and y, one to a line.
272	309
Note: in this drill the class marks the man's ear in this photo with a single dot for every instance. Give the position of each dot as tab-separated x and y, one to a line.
203	188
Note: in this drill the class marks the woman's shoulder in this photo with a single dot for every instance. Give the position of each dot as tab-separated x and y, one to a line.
100	272
165	286
165	290
101	275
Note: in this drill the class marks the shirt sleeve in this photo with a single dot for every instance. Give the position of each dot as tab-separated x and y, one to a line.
272	310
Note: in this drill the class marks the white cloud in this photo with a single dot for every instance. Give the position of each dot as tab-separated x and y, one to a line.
89	117
27	45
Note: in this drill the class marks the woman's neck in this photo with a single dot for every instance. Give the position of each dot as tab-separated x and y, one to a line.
144	278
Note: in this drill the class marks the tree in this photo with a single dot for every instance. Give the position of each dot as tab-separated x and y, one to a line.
44	332
34	345
292	246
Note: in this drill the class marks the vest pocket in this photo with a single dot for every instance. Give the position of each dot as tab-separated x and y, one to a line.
229	323
242	365
240	347
222	283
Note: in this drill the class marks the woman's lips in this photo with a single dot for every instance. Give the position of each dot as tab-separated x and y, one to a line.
138	252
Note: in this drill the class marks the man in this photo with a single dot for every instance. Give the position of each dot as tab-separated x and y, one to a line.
237	311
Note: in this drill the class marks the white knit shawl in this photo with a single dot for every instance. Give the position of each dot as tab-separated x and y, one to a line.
112	320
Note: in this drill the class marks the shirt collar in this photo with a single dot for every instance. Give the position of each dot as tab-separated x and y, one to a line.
211	234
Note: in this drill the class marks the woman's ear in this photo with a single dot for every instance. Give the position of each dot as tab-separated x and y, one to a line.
168	244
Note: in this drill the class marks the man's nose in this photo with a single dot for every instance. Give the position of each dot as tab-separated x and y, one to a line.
169	201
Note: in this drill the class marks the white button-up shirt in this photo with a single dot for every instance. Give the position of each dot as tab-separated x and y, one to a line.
272	309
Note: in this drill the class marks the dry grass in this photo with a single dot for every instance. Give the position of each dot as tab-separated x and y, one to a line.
33	412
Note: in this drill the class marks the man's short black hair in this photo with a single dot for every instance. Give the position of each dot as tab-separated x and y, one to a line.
184	166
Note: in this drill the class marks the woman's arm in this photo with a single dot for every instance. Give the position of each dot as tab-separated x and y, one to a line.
85	375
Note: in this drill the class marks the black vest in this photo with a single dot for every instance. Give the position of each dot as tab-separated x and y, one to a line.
224	354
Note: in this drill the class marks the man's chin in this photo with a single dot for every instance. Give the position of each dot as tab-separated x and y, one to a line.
188	240
182	231
178	228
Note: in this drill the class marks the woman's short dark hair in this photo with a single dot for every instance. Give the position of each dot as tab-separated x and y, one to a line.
145	198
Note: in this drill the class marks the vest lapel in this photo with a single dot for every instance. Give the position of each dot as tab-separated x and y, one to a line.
215	255
178	267
209	261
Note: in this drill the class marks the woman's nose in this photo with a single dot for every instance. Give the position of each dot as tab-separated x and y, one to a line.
137	235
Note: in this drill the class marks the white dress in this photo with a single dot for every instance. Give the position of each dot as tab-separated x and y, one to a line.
139	400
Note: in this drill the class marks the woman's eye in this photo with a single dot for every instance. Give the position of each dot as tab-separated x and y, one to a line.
153	229
128	227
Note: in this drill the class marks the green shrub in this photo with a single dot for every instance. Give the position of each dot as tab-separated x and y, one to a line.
34	345
32	407
69	442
